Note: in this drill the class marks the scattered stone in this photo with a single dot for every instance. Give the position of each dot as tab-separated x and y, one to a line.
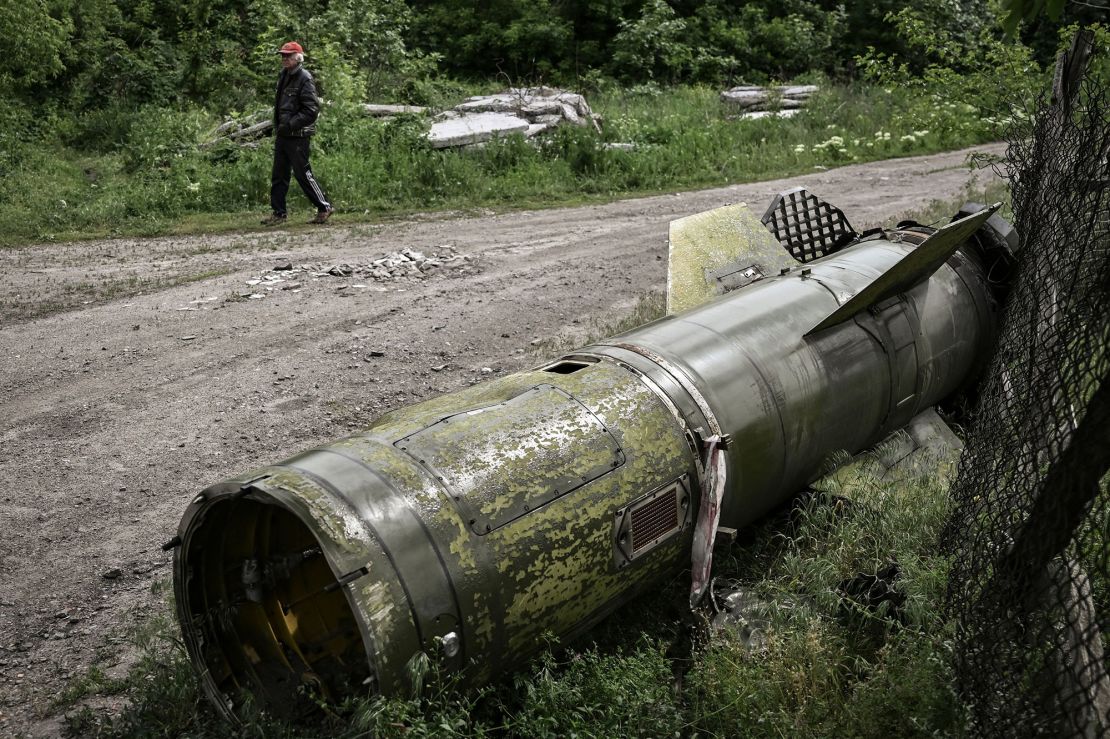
188	338
487	370
407	264
439	368
376	353
283	267
112	574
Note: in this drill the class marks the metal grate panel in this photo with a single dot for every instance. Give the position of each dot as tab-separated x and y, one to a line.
650	521
806	226
654	519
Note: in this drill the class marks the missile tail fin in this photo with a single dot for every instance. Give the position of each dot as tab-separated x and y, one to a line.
915	267
717	251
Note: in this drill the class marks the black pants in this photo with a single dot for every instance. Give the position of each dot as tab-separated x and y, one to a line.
292	153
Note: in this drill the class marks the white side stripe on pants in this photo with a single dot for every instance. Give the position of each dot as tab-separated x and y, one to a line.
316	189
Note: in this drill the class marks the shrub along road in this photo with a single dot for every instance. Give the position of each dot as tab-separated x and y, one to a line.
135	372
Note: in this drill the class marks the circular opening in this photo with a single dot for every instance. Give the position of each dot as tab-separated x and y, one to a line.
263	612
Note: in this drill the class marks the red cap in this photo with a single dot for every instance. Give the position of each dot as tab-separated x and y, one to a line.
291	47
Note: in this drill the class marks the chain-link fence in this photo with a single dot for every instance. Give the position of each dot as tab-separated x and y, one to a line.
1030	529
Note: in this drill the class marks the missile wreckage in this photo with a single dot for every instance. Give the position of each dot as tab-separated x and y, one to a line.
465	527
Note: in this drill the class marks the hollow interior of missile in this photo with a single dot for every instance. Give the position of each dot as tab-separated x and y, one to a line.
267	613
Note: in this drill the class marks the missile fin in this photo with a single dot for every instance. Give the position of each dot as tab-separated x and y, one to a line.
718	251
913	268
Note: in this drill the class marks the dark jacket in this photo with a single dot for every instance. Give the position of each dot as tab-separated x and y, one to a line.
296	105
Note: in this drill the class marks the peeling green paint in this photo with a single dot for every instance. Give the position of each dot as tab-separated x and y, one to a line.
707	241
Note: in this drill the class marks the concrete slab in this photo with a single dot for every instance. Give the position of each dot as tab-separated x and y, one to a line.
473	129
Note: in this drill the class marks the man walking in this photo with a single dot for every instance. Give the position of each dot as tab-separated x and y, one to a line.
295	109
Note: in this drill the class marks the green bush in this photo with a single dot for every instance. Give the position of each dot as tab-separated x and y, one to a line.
157	136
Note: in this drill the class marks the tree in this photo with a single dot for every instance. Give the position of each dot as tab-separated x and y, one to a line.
33	36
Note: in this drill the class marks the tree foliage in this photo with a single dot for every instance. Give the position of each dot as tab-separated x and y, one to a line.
86	67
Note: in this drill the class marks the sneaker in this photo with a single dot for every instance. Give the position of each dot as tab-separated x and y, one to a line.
274	219
322	216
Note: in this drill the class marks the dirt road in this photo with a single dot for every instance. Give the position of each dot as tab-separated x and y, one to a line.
135	372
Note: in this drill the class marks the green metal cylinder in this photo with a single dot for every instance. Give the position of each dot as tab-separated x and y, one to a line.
464	528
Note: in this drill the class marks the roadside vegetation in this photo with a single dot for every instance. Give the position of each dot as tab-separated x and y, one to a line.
683	138
105	102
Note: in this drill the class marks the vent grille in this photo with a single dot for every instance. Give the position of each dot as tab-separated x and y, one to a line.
654	519
808	227
650	521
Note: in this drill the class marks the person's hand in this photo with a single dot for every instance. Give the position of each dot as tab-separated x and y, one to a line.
283	129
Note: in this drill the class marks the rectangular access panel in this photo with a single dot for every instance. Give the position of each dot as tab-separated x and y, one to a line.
502	461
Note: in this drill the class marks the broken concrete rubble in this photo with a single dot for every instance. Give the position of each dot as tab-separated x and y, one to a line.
526	110
474	128
407	264
759	102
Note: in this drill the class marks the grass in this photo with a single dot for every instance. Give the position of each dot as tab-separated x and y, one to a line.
683	138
